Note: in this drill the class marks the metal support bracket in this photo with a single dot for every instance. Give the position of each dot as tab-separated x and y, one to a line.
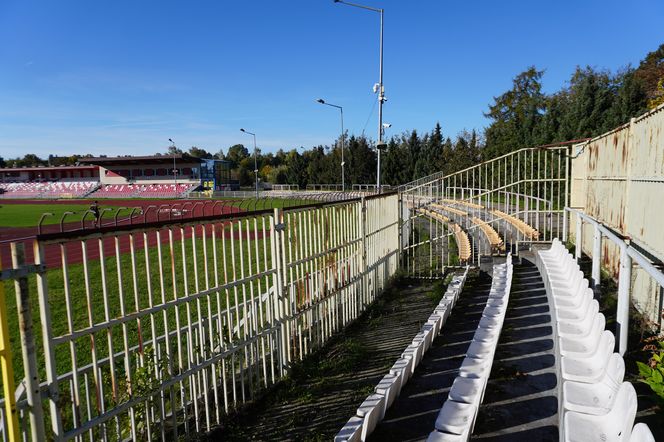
22	272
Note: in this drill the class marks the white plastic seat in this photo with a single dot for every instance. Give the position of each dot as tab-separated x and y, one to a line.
475	368
572	298
389	386
572	314
614	426
498	294
429	333
569	305
404	367
487	335
567	285
480	350
415	350
580	288
569	345
591	368
640	433
596	398
371	411
444	312
497	302
467	390
456	418
351	432
494	311
562	269
583	326
437	321
490	322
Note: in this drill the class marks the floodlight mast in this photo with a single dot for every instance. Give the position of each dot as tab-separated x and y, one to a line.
255	158
380	145
343	163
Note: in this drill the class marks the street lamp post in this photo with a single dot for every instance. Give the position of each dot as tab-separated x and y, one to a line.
381	90
255	158
175	170
343	163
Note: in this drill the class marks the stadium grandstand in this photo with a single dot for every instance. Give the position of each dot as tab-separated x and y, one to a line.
119	177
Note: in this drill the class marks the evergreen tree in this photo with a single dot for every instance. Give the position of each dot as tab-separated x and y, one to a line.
516	114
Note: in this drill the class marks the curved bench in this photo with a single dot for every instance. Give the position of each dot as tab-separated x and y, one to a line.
497	244
463	243
492	236
595	403
449	209
526	229
463	203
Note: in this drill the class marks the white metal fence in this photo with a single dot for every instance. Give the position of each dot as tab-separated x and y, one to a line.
155	331
519	196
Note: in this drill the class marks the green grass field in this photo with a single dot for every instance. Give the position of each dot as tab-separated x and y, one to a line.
27	215
235	259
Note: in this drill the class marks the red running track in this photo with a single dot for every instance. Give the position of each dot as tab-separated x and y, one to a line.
75	250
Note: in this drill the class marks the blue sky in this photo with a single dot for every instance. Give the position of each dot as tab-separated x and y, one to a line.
121	77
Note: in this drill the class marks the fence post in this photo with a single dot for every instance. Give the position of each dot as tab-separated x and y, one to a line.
7	369
279	307
47	336
28	349
400	224
624	288
565	215
363	263
579	237
597	257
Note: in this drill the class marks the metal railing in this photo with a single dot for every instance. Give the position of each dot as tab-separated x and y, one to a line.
520	195
158	330
646	277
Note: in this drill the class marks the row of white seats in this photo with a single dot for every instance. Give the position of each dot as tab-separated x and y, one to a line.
456	418
373	409
596	405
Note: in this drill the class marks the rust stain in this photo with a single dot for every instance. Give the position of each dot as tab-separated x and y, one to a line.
624	153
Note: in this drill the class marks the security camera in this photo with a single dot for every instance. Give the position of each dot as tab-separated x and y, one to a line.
376	87
387	125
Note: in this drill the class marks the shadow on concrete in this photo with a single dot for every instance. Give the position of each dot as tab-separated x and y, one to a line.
413	414
521	397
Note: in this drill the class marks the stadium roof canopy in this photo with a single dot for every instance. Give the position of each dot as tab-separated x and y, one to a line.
151	159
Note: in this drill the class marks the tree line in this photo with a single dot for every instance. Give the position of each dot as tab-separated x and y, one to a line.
592	102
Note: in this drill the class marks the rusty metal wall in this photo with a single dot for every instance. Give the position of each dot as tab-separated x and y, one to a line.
618	179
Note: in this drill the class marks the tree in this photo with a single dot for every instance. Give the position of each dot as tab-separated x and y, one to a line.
296	169
658	98
651	71
31	160
220	155
361	162
199	153
236	154
516	114
173	150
